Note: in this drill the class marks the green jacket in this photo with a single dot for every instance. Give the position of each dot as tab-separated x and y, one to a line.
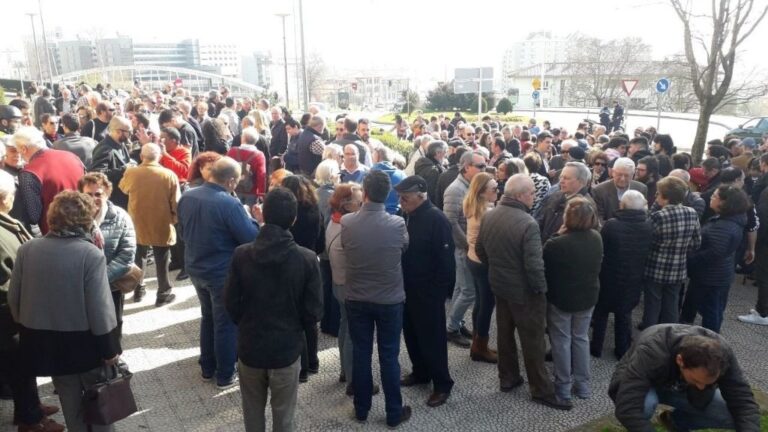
12	235
572	263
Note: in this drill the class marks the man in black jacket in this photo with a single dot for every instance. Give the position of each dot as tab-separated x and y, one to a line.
689	368
272	292
112	158
449	175
279	142
431	166
429	276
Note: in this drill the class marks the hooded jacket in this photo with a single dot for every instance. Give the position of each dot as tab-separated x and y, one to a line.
392	203
430	170
272	292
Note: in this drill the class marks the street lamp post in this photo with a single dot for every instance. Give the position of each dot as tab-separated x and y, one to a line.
37	51
303	57
283	15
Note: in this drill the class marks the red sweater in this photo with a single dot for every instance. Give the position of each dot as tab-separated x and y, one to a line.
258	166
178	161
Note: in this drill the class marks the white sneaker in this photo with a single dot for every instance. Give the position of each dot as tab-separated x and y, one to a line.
754	318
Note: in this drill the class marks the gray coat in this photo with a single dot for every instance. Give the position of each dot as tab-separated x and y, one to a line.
119	241
606	197
374	242
650	364
510	243
81	146
453	201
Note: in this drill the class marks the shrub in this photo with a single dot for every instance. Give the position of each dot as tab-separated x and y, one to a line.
390	140
504	106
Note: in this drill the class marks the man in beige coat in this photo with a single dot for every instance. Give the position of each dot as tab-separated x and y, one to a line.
153	192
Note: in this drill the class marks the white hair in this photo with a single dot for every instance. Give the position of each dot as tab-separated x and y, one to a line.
249	136
332	151
7	185
625	163
517	184
681	174
150	152
582	172
29	136
327	172
633	200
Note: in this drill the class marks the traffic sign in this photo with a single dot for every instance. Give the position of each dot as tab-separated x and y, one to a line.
354	86
536	83
662	85
473	80
629	86
535	94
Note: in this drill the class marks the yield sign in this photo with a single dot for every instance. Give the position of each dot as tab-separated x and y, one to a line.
629	86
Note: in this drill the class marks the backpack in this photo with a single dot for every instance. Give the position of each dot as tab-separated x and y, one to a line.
245	185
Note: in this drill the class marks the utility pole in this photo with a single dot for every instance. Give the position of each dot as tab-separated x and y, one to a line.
45	43
305	93
283	15
37	51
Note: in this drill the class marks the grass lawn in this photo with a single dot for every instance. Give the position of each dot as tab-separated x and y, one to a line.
510	117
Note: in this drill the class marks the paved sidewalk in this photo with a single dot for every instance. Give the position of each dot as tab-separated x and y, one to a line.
161	347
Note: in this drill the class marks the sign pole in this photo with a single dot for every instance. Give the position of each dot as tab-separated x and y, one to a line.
658	113
480	95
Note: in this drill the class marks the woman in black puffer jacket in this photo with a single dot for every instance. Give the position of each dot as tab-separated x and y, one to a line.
712	267
116	228
626	243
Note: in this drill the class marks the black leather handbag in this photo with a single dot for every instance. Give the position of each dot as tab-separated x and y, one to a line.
109	401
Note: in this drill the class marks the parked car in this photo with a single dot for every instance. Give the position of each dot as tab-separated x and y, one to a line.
754	128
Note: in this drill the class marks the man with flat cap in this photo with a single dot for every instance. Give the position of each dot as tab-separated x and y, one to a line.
429	276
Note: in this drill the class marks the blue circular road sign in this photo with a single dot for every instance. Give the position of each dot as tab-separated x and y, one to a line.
662	85
535	94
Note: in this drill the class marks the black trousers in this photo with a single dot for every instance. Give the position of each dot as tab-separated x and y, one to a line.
427	341
162	257
118	298
622	331
26	401
309	359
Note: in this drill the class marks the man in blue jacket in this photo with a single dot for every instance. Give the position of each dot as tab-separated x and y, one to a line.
213	224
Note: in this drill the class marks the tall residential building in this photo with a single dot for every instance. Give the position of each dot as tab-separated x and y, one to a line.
76	55
224	57
537	48
257	68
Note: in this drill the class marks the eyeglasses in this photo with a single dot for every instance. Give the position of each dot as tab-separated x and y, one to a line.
599	163
128	131
111	110
479	166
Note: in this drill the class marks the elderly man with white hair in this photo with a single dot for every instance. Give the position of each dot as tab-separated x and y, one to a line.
153	193
46	173
574	180
626	242
608	194
420	143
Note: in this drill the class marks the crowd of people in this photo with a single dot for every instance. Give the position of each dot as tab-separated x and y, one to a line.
281	224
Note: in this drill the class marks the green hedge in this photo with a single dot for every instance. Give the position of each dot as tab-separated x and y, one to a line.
390	140
509	118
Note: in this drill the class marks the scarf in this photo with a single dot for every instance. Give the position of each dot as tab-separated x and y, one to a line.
336	217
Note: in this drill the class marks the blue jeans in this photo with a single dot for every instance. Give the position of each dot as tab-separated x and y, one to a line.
345	341
388	323
685	416
463	292
709	301
218	334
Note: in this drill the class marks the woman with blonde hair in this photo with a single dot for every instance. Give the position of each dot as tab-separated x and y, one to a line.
480	198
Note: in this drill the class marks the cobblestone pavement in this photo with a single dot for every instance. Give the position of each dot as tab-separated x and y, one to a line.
161	347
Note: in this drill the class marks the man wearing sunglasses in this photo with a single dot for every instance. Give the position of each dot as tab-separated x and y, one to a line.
111	156
97	128
471	164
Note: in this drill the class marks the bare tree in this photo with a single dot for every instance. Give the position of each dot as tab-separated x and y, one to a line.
316	72
596	67
726	26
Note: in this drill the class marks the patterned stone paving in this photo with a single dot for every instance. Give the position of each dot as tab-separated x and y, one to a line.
161	347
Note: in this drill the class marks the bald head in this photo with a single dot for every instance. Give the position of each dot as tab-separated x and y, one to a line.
226	173
150	152
520	187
